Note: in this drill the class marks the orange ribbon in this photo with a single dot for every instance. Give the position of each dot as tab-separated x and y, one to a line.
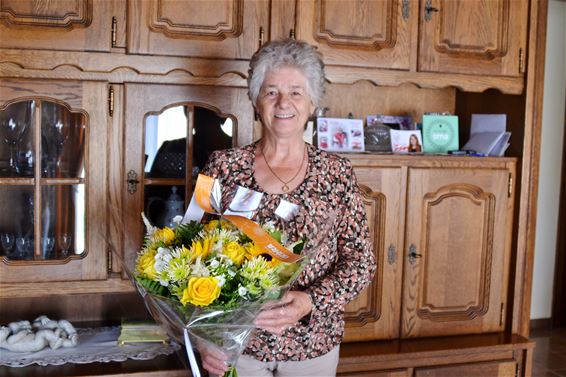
262	239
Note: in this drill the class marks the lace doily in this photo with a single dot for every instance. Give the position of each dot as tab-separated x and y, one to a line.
95	345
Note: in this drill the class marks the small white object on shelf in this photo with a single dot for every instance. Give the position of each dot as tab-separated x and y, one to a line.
21	336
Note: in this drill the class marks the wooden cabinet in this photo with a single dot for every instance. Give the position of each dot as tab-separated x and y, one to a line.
81	25
441	229
473	37
228	29
359	33
462	37
59	200
453	257
506	368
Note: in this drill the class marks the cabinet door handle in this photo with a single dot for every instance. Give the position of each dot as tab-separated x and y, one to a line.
413	255
132	182
429	9
391	254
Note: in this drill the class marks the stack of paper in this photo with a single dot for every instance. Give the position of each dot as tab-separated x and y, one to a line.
488	135
141	331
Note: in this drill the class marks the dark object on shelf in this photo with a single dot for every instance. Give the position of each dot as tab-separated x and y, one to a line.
170	160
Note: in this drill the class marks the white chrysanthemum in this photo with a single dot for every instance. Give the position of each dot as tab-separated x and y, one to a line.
199	269
221	280
242	291
214	263
162	259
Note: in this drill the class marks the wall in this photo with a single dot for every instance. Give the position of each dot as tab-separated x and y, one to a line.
550	160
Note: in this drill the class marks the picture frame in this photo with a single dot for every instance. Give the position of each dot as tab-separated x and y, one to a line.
406	141
340	134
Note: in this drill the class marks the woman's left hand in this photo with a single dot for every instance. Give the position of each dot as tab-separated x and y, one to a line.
282	314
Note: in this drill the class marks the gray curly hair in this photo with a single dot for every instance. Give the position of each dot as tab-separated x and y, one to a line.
287	53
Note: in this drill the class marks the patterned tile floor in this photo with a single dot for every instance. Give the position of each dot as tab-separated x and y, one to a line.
549	358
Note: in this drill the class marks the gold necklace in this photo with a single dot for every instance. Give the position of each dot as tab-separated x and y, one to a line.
285	187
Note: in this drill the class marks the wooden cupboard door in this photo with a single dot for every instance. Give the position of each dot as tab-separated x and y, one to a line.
507	368
456	251
145	100
473	37
375	313
211	29
375	33
76	202
76	25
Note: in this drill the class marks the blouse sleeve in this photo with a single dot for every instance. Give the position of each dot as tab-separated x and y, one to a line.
356	265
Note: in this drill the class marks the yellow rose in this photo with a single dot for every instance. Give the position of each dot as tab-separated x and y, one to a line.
166	235
212	224
201	291
146	264
235	252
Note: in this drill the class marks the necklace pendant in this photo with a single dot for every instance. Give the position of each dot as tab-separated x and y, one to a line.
285	188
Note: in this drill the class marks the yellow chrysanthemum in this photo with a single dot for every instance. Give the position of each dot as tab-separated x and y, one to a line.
146	264
235	252
201	291
202	248
165	235
253	250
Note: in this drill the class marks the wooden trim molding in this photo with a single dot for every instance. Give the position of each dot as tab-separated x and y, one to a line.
162	69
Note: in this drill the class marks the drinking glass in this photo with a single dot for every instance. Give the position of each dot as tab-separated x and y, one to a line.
14	122
65	241
7	241
24	247
48	245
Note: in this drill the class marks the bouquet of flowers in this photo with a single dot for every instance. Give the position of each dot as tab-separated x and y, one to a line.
209	280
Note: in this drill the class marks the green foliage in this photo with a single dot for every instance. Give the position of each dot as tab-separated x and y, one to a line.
152	286
186	233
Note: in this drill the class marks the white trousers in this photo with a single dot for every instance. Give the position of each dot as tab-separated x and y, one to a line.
322	366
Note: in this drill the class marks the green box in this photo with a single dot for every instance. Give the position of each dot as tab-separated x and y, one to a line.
440	133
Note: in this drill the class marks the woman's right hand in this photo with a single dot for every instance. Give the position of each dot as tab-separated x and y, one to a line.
213	360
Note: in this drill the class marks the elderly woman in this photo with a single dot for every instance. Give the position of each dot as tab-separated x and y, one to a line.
300	336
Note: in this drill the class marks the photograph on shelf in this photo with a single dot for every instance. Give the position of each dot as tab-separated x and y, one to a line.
403	141
395	122
340	135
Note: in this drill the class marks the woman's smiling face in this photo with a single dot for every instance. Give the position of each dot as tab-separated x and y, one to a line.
284	103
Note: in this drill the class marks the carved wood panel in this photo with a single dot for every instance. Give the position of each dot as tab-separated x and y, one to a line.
218	20
457	251
333	28
228	29
473	37
367	307
467	207
65	14
375	313
468	29
67	25
359	33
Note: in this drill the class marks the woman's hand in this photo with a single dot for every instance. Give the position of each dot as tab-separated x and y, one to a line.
213	360
284	313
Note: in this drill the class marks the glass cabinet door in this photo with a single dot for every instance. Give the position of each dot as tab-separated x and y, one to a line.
170	132
53	186
44	199
178	142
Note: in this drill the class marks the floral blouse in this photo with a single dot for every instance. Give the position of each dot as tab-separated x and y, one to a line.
340	268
